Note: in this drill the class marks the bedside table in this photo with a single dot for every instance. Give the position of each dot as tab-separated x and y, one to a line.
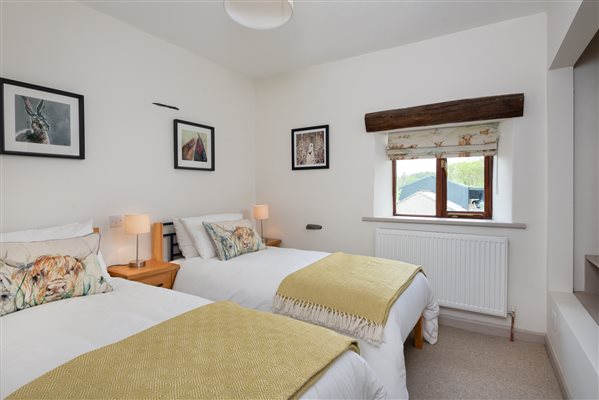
155	273
273	242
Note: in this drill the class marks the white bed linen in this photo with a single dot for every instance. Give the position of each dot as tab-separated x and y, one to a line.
39	339
251	280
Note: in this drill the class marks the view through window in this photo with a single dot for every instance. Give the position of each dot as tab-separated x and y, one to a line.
446	187
416	183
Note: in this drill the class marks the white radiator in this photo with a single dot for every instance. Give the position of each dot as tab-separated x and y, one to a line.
467	272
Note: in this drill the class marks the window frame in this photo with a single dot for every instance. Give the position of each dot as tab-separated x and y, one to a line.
441	195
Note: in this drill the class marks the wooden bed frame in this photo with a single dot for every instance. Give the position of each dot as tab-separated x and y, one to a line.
158	254
157	241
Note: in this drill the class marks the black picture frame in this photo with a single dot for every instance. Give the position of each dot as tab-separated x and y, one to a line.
205	133
300	158
9	136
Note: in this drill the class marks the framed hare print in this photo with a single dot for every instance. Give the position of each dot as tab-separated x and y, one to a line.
310	148
40	121
194	146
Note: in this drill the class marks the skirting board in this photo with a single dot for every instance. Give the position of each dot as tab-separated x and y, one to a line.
558	371
491	329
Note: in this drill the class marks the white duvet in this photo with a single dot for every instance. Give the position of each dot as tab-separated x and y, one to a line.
39	339
251	280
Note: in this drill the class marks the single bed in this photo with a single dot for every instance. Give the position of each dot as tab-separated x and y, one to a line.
78	325
252	279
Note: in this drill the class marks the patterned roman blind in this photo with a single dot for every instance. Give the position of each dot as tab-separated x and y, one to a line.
459	141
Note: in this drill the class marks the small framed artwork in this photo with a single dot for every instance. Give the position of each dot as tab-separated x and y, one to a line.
40	121
310	147
194	146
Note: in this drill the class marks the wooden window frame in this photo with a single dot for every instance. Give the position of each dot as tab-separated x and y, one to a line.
441	195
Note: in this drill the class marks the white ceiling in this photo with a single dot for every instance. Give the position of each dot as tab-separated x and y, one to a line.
319	31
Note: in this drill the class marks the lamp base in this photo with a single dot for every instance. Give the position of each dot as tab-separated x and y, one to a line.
137	264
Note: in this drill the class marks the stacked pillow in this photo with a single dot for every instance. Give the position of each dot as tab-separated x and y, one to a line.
184	241
222	235
67	231
34	269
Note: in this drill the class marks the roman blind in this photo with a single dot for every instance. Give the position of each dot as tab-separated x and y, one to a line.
459	141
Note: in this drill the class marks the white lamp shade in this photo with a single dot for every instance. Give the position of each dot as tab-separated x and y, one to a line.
261	211
137	223
259	14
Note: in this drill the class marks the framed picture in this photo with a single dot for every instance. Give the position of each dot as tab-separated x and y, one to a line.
310	147
194	146
40	121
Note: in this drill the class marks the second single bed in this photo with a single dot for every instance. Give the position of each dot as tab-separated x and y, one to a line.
252	279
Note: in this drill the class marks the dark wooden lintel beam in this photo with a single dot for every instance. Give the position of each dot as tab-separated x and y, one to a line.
449	112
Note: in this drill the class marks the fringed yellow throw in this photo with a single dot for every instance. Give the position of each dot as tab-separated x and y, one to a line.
219	351
348	293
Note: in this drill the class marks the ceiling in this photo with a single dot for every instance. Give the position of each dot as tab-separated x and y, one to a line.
319	31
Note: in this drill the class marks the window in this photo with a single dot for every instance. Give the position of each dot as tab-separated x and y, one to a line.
456	187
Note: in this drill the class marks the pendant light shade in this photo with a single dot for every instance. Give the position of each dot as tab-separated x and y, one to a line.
259	14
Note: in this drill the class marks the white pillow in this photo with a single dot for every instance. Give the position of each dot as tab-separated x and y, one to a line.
199	236
184	240
68	231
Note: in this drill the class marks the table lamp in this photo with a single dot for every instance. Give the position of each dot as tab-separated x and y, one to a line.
134	225
260	214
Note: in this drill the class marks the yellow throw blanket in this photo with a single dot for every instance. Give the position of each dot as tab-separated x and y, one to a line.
216	351
351	294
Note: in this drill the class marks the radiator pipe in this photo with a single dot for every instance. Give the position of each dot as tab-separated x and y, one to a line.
513	314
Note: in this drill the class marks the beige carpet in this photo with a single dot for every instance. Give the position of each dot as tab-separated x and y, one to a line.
467	365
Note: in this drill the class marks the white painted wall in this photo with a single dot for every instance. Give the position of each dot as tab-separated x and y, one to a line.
560	15
129	142
508	57
586	159
571	26
559	171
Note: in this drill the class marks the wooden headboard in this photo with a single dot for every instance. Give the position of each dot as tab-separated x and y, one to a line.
158	237
157	251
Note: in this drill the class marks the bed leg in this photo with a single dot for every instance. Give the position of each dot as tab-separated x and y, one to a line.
418	337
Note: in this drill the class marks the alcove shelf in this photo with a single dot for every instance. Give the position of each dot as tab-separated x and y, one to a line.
589	297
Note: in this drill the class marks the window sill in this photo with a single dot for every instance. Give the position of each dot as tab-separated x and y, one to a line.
487	223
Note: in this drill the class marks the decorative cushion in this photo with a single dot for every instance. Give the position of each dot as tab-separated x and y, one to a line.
35	273
234	238
184	240
201	240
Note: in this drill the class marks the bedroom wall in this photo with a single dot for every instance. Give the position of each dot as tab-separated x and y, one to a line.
571	26
502	58
129	142
560	15
586	160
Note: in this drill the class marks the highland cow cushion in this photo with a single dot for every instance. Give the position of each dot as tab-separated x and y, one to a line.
234	238
35	273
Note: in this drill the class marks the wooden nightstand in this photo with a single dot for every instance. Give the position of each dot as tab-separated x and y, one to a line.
273	242
156	273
